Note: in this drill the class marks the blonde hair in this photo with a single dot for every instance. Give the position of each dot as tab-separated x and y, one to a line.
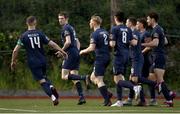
97	19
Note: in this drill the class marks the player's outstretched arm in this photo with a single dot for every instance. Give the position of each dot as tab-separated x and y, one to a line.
14	57
60	51
153	43
91	47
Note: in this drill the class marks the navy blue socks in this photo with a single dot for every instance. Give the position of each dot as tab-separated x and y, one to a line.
79	89
104	92
46	88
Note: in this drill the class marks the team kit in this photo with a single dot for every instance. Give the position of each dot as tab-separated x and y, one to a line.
130	42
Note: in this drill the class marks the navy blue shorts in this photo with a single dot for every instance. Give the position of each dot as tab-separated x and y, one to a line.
73	61
120	64
159	61
100	67
136	69
39	72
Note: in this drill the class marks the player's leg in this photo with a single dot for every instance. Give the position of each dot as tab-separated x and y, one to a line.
72	63
136	87
119	69
147	73
103	90
153	101
159	71
93	78
79	89
128	101
99	70
153	97
65	73
136	78
119	90
76	77
53	89
162	85
38	74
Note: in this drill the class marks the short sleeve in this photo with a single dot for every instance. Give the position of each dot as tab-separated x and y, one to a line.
155	34
93	39
113	35
66	31
19	42
44	39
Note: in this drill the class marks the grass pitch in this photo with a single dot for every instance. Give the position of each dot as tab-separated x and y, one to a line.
70	106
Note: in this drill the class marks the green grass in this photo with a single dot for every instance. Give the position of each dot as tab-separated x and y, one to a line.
69	106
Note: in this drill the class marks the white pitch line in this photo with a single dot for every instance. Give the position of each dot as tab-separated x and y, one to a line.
116	111
18	110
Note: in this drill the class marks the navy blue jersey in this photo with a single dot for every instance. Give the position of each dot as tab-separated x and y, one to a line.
135	51
33	41
143	35
100	37
158	32
68	30
122	35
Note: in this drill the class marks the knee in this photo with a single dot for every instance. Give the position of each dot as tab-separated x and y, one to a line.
152	77
64	77
116	81
42	81
92	79
75	81
118	78
100	83
134	79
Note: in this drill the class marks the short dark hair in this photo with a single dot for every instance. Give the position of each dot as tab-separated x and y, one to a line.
154	15
64	13
132	20
120	16
143	21
30	20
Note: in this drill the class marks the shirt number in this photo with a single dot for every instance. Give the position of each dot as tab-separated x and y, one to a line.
35	41
124	37
105	39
